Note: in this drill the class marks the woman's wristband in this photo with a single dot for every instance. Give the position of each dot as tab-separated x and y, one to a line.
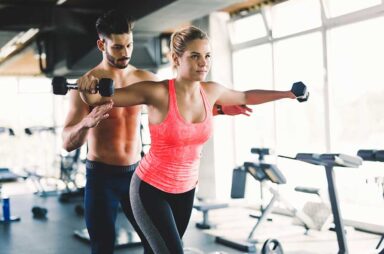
219	109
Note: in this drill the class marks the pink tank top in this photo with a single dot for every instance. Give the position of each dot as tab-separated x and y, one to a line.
172	162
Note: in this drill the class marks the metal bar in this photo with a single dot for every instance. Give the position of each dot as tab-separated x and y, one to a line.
339	224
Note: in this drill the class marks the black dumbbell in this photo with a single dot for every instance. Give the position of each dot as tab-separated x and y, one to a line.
39	212
79	210
300	90
61	86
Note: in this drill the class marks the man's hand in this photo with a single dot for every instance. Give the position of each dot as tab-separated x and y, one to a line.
233	110
87	83
97	114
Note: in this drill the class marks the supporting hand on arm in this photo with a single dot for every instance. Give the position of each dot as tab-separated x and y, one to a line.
79	121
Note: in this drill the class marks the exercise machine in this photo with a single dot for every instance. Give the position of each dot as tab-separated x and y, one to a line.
69	170
319	211
37	166
329	161
269	176
7	176
375	156
66	174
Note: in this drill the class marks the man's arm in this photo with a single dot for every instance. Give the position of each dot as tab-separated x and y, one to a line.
79	120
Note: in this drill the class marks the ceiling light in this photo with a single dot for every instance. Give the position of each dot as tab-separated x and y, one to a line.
26	36
17	42
60	2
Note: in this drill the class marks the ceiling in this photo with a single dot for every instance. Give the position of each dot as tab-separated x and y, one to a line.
67	35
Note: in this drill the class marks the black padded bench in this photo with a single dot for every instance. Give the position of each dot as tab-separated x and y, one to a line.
205	207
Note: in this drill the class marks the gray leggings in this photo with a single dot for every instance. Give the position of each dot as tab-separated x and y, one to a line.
162	217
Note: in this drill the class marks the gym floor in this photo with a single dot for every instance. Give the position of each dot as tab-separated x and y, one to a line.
55	233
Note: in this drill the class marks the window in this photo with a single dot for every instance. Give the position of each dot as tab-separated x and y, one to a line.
335	8
354	67
247	28
252	69
300	126
356	60
295	16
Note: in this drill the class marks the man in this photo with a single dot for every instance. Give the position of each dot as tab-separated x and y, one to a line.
112	134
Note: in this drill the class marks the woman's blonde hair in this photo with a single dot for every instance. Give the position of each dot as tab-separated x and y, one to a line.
181	38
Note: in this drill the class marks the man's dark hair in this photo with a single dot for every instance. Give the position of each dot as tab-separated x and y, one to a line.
113	22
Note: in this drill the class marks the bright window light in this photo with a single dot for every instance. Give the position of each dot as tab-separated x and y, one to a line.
300	59
295	16
247	28
336	8
165	72
252	69
356	60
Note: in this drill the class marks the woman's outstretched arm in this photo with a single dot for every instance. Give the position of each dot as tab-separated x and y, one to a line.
135	94
227	96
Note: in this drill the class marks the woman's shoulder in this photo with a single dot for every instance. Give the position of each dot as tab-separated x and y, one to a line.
210	85
155	87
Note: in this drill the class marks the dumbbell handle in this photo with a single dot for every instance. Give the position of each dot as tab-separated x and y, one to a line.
72	86
75	86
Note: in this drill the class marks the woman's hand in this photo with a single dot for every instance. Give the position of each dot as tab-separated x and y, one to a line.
233	110
88	84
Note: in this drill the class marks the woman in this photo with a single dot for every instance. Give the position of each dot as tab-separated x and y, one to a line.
180	122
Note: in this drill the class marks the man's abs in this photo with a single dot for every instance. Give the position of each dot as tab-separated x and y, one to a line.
116	140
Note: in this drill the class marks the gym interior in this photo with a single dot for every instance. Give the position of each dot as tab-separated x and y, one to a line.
294	178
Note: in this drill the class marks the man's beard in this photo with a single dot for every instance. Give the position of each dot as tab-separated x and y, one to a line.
114	63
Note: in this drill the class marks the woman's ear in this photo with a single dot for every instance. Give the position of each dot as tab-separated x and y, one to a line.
100	44
175	59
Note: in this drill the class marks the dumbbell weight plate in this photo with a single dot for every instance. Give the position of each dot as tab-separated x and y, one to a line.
105	87
79	209
300	90
59	86
39	212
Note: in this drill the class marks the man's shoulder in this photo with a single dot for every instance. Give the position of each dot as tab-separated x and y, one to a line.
143	75
97	71
139	75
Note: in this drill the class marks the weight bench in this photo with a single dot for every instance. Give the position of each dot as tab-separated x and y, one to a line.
205	207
